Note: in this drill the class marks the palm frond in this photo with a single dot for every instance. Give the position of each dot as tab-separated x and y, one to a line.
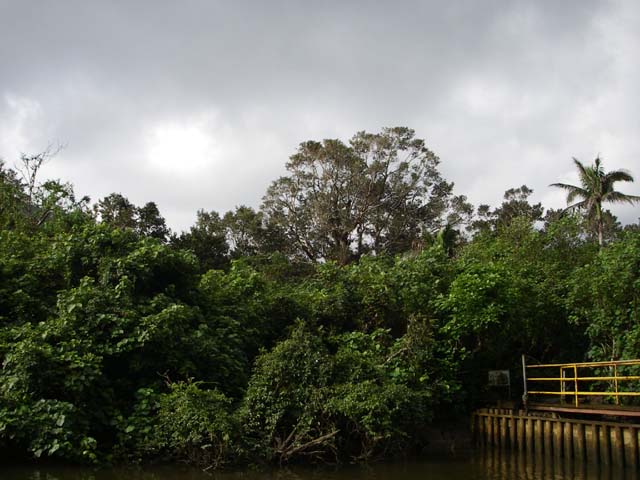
575	206
597	164
577	193
619	197
565	186
573	191
618	176
581	167
585	174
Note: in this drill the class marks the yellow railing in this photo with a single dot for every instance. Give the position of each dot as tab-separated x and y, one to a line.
570	378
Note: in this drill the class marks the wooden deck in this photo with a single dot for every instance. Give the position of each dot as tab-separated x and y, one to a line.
587	409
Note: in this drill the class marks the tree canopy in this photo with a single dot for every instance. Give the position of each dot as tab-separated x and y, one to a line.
380	193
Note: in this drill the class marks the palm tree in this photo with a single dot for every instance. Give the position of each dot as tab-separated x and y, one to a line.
596	188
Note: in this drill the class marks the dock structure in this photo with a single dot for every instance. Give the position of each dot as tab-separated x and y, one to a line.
586	412
596	441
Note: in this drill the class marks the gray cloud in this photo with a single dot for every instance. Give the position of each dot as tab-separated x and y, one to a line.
198	104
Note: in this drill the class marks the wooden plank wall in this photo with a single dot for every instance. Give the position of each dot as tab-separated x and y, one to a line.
604	443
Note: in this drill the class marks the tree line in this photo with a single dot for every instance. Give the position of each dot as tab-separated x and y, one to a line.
363	301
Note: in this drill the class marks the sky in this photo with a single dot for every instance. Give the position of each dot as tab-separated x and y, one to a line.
199	104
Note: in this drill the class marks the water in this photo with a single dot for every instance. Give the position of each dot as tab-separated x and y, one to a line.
482	465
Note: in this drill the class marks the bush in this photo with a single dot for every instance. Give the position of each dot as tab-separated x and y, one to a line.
196	425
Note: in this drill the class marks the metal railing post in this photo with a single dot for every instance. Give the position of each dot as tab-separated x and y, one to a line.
525	395
575	382
615	382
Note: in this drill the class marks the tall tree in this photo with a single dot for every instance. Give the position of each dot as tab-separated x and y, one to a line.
151	223
596	187
515	205
380	193
27	202
250	233
117	211
13	199
207	240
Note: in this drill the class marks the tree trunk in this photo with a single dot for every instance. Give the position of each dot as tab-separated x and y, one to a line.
600	225
600	233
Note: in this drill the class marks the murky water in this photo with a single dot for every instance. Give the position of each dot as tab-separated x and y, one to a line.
483	465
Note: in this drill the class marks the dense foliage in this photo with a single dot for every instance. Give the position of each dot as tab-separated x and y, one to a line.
121	342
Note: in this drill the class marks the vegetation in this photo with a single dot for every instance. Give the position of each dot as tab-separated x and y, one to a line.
379	194
333	324
596	188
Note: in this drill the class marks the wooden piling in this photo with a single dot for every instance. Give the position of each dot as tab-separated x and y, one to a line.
557	439
521	426
578	445
537	435
617	447
598	442
546	433
512	432
487	430
529	434
593	444
605	445
633	449
568	439
503	432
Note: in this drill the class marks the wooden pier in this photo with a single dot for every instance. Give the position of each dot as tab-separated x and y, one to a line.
588	412
545	434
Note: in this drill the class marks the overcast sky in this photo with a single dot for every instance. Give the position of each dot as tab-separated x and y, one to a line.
199	104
